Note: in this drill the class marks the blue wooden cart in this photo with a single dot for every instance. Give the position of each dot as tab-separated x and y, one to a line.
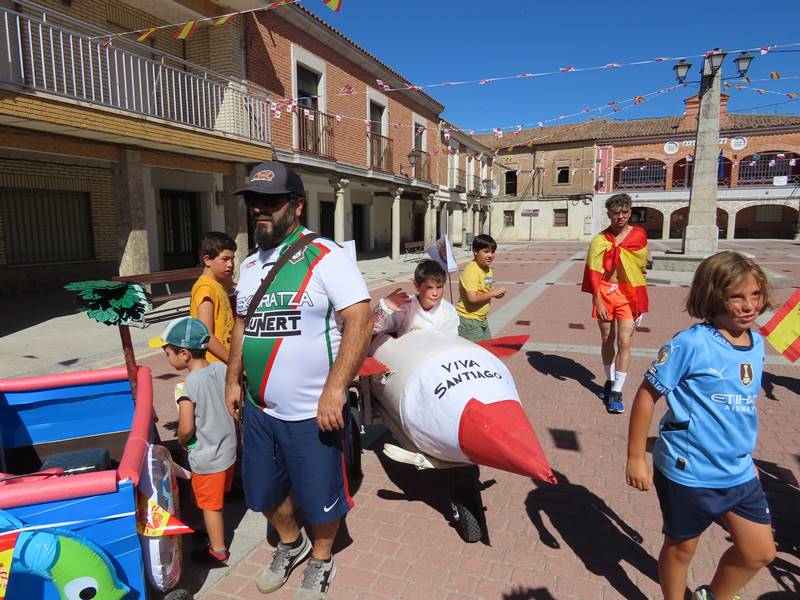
73	535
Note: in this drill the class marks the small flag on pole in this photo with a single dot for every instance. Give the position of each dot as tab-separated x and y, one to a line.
147	33
783	329
186	30
442	252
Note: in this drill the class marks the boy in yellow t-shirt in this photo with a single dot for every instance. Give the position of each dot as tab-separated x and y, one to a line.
210	302
476	291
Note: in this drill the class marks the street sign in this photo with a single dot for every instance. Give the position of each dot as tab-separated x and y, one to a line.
530	212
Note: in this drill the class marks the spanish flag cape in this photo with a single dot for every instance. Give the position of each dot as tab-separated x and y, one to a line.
628	259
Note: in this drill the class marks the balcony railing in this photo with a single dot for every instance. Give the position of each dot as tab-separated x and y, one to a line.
380	152
474	185
458	180
422	166
640	175
315	132
769	168
486	189
44	56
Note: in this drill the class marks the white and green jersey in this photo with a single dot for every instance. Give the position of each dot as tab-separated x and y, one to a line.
293	337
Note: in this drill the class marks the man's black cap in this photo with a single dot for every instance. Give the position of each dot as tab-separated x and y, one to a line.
275	178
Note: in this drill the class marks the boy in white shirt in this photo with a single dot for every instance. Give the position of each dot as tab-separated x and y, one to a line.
427	310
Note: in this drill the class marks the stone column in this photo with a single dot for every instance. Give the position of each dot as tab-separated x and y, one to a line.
429	216
731	232
463	226
700	235
665	225
470	225
128	177
398	192
311	209
449	223
236	212
339	189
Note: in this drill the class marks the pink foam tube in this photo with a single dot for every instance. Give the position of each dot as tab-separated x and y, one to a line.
138	439
43	382
53	489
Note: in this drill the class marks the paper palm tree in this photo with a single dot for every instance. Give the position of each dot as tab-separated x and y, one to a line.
114	303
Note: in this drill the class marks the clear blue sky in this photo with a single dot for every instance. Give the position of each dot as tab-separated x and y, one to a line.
431	41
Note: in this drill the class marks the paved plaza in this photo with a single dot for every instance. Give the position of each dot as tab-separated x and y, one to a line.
589	537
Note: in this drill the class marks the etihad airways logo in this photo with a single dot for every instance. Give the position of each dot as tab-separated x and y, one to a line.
735	402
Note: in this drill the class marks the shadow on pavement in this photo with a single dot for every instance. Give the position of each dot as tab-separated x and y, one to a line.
563	368
770	380
597	534
33	309
528	594
783	495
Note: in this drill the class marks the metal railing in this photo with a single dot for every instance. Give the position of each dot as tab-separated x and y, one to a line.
457	180
640	175
769	168
683	174
315	132
474	185
422	166
380	152
486	189
37	54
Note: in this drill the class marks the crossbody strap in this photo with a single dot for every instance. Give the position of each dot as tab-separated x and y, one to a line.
300	243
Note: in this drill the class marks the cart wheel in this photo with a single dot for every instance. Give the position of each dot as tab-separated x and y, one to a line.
179	595
467	524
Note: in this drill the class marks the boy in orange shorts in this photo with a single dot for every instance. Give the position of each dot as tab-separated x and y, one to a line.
615	277
205	427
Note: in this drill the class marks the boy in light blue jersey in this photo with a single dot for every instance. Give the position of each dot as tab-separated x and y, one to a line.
704	470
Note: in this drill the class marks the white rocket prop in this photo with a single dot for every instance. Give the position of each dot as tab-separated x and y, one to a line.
454	402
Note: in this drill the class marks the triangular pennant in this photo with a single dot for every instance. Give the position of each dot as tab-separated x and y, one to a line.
186	30
146	34
225	19
334	5
155	521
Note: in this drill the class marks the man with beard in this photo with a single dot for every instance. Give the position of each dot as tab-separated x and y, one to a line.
300	350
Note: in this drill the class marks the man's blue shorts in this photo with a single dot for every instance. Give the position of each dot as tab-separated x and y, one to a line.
688	511
283	457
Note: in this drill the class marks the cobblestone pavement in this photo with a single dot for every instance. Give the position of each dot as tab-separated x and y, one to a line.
589	537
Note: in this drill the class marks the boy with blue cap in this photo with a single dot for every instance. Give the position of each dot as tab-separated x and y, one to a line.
205	428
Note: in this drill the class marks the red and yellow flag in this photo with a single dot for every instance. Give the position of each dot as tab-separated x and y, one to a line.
146	34
783	329
225	19
628	259
186	30
7	542
334	5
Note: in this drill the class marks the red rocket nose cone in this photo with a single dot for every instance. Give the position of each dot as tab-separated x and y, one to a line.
499	435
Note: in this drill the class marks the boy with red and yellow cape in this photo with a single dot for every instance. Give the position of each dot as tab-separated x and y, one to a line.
615	277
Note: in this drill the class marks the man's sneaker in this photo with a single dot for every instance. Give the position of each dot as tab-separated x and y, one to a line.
606	390
614	403
317	579
284	560
703	593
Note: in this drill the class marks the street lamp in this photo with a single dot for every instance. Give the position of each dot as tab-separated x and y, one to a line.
715	58
412	160
743	63
681	69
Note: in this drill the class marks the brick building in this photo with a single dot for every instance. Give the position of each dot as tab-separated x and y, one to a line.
123	152
115	157
368	144
553	181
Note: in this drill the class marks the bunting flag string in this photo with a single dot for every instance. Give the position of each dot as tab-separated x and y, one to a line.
277	108
790	95
187	28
